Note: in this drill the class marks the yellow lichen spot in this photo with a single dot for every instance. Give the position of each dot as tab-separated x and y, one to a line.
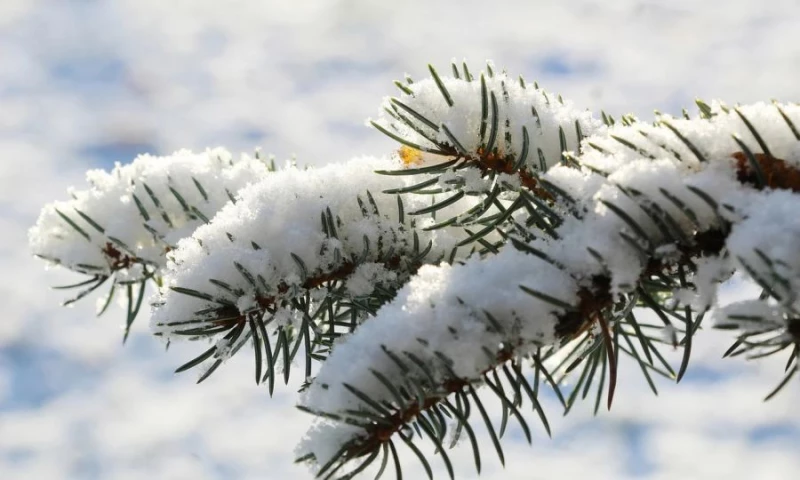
410	156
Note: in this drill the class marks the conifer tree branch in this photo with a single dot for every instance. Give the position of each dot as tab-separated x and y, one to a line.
474	134
304	256
125	224
707	189
513	240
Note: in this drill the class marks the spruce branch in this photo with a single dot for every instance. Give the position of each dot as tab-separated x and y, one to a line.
634	238
511	242
122	228
303	257
484	137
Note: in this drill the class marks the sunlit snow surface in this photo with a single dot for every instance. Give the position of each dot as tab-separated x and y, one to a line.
86	83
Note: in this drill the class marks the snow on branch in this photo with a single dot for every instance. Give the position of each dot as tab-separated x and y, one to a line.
449	323
492	115
765	243
648	203
489	135
122	227
300	255
520	228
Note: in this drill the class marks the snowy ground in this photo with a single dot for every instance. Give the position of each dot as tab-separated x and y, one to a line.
84	83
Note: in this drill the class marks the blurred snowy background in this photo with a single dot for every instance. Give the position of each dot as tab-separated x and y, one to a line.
85	83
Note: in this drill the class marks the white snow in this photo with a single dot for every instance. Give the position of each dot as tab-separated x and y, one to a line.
110	202
754	317
442	309
368	275
540	113
275	233
765	243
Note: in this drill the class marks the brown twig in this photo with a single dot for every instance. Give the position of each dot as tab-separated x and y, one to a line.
267	302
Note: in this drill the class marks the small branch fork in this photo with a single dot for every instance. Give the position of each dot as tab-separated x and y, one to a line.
491	161
118	260
268	302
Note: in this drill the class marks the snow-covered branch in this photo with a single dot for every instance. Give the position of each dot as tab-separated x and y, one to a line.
122	227
489	136
508	230
299	254
648	201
